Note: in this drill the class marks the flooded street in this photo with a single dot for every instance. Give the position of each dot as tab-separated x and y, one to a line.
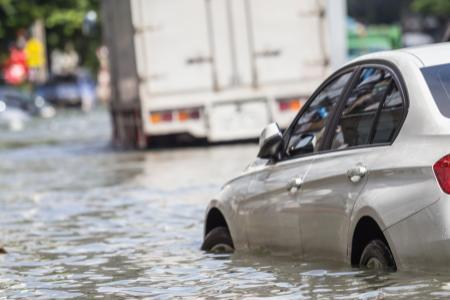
80	220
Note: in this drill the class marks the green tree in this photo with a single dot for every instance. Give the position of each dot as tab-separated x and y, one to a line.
439	8
63	21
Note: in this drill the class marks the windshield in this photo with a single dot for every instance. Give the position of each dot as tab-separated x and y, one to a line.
438	80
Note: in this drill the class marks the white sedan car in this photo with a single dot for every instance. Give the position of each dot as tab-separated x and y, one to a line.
362	175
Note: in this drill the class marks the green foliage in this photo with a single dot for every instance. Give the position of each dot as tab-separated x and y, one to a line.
434	7
63	21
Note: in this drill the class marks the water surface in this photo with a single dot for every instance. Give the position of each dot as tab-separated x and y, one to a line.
80	220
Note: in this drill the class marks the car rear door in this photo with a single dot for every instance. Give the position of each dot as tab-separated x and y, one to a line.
338	175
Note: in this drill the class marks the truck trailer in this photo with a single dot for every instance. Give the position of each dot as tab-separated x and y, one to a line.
216	70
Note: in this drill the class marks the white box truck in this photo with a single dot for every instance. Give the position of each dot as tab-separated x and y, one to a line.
219	70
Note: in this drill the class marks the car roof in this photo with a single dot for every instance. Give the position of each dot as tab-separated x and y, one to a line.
430	55
426	56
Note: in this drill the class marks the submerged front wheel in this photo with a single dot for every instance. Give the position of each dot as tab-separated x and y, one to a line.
377	256
218	240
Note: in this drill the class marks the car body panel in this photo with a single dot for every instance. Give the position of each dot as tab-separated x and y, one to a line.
227	202
438	56
271	208
399	192
327	202
422	241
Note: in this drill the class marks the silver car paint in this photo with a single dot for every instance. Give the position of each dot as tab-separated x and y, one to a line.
327	201
399	192
423	240
272	206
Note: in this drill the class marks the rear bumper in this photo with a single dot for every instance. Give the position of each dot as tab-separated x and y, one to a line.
224	121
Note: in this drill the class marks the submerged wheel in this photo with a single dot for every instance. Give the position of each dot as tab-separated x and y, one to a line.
377	255
218	240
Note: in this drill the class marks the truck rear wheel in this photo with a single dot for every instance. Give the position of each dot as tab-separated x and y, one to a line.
377	255
218	240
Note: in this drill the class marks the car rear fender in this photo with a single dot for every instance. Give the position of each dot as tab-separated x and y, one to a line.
363	212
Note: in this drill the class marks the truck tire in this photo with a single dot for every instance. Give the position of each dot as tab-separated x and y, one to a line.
218	240
377	255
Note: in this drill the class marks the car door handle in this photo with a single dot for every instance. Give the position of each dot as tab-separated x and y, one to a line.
294	185
357	173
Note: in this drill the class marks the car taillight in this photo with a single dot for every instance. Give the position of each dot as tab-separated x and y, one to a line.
442	170
289	104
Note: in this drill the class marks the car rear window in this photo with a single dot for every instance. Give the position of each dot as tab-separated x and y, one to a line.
438	80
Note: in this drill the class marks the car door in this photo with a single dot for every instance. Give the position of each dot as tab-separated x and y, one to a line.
339	174
272	207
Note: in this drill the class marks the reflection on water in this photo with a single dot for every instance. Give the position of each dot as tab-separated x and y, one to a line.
81	220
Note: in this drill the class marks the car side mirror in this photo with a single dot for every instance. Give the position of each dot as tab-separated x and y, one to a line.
270	141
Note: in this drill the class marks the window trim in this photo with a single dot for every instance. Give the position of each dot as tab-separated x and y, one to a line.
354	68
389	90
332	133
398	80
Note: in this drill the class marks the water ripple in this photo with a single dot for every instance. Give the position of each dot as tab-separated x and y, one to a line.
82	221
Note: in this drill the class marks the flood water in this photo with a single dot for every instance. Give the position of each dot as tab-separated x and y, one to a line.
80	220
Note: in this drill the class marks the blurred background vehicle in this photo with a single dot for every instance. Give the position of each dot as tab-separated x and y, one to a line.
238	66
241	65
33	104
77	89
60	176
12	118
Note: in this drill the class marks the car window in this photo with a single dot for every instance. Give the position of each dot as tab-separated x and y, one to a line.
308	132
358	115
390	117
438	81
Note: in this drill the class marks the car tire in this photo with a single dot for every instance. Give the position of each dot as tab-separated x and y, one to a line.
377	255
218	240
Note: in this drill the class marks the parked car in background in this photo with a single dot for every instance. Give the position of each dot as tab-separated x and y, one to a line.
69	90
12	118
30	103
362	174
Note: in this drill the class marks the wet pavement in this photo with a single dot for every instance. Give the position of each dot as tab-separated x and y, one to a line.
80	220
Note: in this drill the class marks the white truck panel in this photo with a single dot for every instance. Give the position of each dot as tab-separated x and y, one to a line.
220	38
230	37
172	47
287	40
337	32
233	60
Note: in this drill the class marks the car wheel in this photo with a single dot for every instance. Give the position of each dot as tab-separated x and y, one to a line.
376	255
218	240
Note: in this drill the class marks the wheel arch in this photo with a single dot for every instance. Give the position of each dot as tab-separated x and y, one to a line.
367	228
214	218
